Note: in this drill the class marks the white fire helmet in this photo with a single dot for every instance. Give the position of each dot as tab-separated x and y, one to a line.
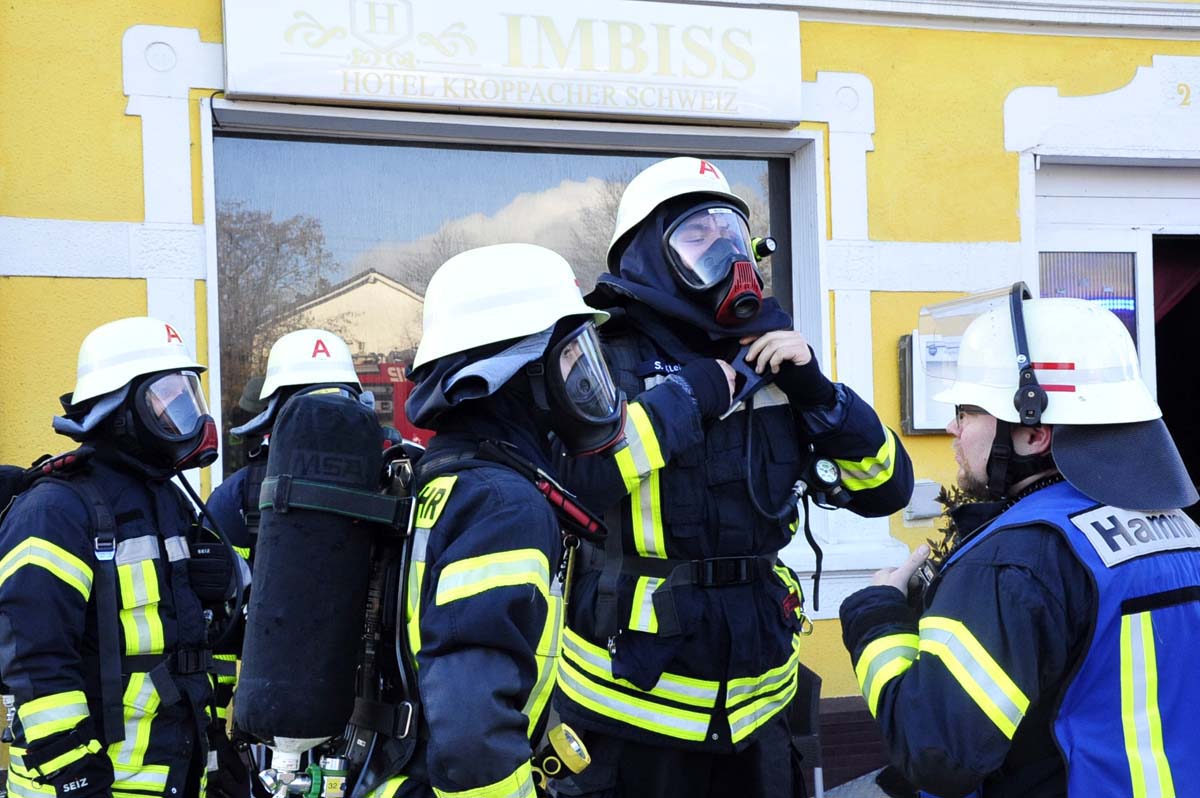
662	181
308	357
1082	357
497	293
114	354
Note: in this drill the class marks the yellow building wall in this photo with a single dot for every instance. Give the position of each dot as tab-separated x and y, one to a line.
42	322
939	171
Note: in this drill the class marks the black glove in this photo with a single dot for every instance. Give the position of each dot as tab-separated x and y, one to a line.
805	386
709	386
210	571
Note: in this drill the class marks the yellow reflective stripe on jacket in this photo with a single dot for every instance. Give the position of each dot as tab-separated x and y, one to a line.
231	678
641	455
640	462
55	559
642	617
518	784
139	608
1141	722
151	778
650	715
789	581
23	787
50	714
870	472
243	552
976	672
141	704
17	758
431	501
546	657
882	660
597	662
416	578
752	701
475	575
389	788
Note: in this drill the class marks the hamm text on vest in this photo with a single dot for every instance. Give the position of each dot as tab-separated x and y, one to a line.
1119	535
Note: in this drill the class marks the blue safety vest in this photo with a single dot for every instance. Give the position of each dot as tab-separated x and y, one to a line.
1126	719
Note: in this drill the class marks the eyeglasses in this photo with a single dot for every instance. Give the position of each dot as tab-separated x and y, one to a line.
962	411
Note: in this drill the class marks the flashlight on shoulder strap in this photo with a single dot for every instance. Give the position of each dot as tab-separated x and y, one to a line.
564	753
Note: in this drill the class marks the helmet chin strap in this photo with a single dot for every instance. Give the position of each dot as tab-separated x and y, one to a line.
1006	468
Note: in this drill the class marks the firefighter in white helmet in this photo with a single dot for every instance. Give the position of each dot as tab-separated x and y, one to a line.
103	636
509	357
680	656
298	360
1054	653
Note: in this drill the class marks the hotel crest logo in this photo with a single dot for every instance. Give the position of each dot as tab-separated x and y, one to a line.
382	36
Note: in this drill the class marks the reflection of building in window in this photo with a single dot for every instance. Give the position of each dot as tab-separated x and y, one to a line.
371	311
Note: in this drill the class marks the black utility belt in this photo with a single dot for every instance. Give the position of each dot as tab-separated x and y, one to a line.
710	572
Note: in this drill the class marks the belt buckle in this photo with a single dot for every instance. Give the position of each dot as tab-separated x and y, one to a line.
105	547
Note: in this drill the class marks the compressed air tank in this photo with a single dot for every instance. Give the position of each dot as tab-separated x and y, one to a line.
305	620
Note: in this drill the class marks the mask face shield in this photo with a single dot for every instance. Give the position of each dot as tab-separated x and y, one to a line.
581	376
704	245
587	407
172	410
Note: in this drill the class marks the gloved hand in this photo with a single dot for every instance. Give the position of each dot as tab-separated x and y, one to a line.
712	385
210	572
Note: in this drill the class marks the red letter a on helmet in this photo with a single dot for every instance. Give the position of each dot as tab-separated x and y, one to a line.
705	166
319	348
172	335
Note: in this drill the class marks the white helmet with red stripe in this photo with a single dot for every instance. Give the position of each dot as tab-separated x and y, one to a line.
662	181
114	354
308	357
1082	355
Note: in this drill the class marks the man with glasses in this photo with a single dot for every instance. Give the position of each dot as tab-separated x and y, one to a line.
1054	653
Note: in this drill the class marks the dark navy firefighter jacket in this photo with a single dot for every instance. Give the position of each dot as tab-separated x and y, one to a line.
724	662
49	643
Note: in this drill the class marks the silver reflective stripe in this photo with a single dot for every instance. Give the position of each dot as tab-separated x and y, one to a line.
770	396
490	573
137	549
420	544
547	661
694	729
742	724
135	712
642	618
666	683
900	651
765	684
1140	713
30	721
138	778
637	448
22	788
643	506
977	672
143	644
177	548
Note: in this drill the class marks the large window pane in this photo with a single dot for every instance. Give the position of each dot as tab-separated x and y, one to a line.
1105	278
345	235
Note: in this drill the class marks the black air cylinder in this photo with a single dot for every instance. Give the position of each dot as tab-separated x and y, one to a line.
306	612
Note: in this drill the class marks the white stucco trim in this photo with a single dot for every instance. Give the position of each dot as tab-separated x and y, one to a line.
62	248
1114	18
160	66
212	294
846	102
918	266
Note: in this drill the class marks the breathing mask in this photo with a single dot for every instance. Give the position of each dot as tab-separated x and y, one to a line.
712	255
572	383
171	422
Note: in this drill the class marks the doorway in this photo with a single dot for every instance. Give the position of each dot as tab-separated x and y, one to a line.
1176	309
